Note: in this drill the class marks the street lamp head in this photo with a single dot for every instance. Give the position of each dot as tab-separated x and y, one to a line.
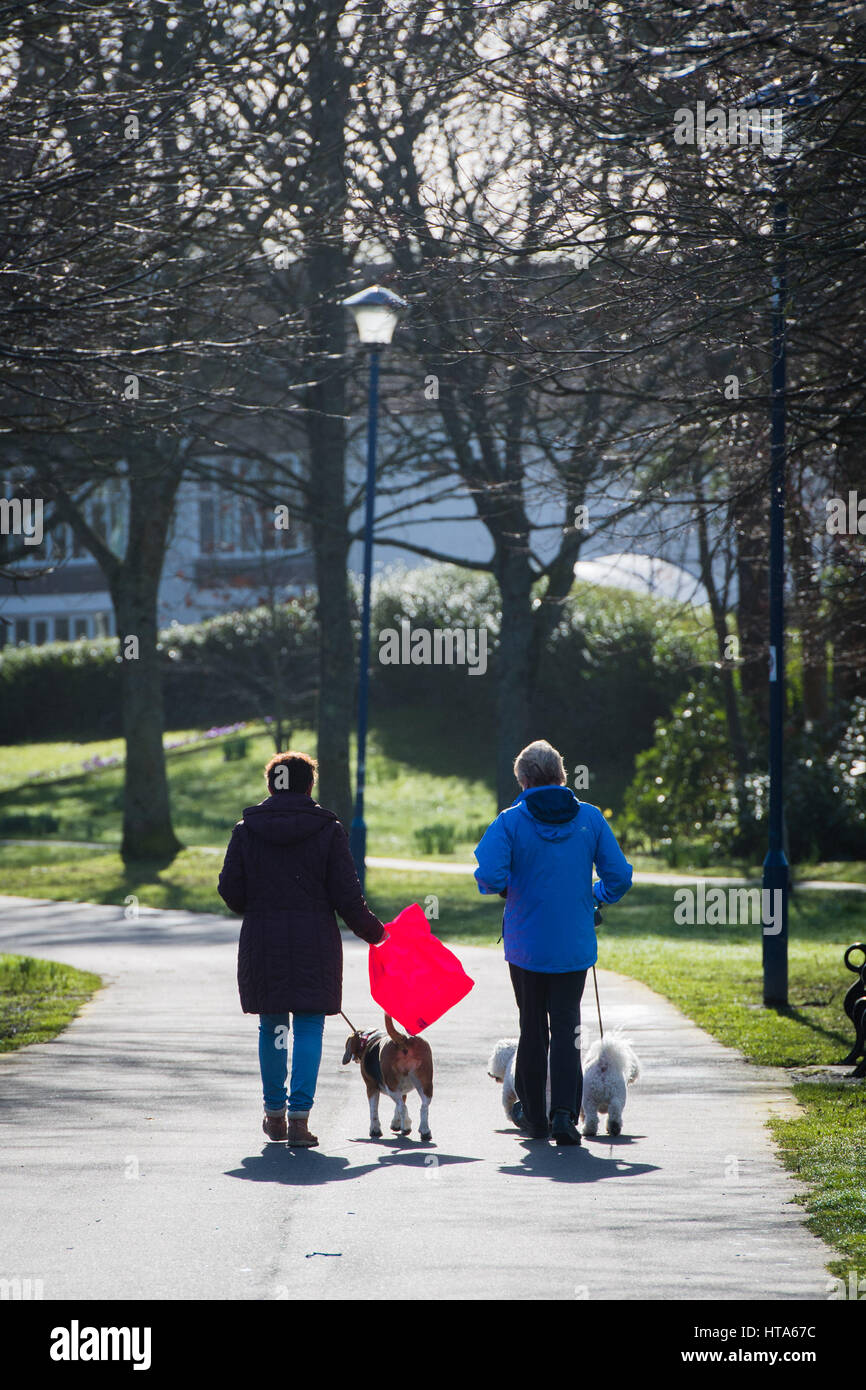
376	312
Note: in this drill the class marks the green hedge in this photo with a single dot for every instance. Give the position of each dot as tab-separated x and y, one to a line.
216	672
61	690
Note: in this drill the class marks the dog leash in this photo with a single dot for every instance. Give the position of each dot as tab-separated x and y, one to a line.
598	921
597	1001
349	1021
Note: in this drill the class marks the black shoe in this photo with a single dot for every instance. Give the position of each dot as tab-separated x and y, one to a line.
519	1119
563	1129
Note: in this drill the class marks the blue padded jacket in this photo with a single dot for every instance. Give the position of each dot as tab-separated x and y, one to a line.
542	849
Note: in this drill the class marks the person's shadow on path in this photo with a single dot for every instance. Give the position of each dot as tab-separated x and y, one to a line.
571	1163
310	1167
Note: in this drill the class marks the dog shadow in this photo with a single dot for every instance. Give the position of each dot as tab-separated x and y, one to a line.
570	1163
312	1168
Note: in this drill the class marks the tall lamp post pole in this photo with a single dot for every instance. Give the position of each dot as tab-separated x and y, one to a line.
376	312
776	871
776	877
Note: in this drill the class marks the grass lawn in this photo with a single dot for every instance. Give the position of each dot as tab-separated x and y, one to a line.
410	808
208	794
825	1147
38	998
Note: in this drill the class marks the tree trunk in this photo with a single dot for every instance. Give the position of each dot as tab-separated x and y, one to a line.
753	601
736	737
808	615
336	666
133	583
847	590
514	669
147	828
326	266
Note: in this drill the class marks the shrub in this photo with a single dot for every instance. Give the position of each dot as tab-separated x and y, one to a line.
438	838
685	787
682	783
613	664
60	690
228	669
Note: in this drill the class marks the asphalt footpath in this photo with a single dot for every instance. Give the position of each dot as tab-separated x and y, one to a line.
133	1165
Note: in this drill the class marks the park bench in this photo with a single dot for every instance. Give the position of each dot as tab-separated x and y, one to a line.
855	1008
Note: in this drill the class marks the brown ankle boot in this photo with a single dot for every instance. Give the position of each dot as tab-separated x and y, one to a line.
274	1125
299	1136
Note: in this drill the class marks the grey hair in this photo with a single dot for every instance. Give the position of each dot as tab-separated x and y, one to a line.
539	765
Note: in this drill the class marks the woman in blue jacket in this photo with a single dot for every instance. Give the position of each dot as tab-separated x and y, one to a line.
539	854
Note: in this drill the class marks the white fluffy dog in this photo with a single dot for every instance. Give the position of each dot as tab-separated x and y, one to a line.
611	1066
501	1068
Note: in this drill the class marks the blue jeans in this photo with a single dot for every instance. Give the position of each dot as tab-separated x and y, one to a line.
307	1030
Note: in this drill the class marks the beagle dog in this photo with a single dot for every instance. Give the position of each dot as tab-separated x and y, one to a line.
392	1068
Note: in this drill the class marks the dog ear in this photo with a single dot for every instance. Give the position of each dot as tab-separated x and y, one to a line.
350	1051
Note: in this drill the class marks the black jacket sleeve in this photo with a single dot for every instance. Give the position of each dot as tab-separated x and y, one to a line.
344	890
232	886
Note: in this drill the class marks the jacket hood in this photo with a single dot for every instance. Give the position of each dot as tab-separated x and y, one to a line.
552	810
287	818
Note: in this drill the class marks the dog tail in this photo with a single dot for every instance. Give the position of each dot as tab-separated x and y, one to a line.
617	1049
392	1031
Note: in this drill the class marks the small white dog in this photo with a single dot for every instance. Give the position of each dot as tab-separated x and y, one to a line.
501	1068
611	1066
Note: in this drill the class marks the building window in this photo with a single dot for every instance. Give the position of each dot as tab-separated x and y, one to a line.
82	628
40	632
61	629
100	625
22	630
206	527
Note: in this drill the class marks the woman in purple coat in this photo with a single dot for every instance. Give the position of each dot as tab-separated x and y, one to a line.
288	868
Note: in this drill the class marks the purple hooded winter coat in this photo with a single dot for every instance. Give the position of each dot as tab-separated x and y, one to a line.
287	869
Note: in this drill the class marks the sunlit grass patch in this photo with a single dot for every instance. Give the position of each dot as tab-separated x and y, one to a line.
38	998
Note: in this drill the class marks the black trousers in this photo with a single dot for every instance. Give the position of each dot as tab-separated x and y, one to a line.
549	1007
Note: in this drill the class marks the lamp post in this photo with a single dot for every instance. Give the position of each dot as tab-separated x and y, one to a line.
376	312
776	874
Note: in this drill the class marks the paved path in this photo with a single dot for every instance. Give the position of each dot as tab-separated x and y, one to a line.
132	1163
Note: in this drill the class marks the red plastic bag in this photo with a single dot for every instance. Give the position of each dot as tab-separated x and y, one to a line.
413	977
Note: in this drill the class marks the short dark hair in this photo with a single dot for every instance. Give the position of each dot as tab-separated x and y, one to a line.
299	775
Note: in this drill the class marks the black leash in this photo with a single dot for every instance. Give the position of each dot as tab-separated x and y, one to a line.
597	1003
598	921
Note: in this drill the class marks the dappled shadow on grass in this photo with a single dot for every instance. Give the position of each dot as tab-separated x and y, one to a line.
89	805
81	874
426	738
798	1015
85	806
648	910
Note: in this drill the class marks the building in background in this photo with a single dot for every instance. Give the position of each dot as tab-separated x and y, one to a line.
225	552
